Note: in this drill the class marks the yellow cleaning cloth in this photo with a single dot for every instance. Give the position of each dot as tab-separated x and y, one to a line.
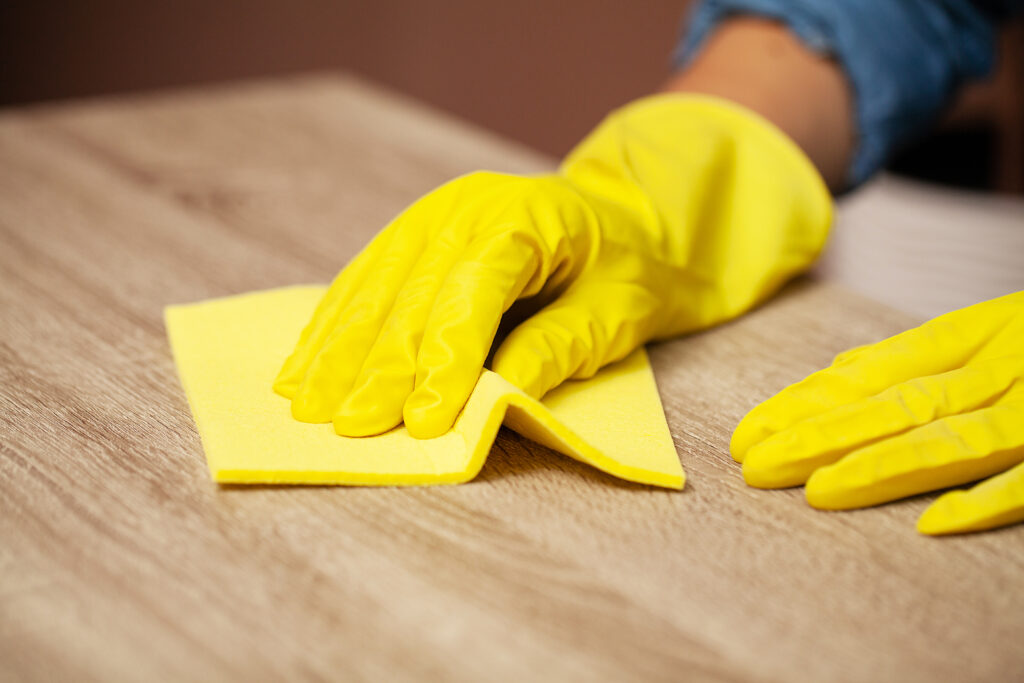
228	352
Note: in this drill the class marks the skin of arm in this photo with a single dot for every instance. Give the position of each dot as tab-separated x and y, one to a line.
762	66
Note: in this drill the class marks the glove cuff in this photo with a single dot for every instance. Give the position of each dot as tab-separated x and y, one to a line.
721	194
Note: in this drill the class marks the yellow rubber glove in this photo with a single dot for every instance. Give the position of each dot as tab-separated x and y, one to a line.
937	406
676	213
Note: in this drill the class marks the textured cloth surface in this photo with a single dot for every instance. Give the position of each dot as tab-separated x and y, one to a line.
228	351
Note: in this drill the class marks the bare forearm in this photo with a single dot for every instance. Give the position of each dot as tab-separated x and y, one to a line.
759	64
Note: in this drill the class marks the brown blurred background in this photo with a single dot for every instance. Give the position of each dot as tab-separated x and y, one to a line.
538	71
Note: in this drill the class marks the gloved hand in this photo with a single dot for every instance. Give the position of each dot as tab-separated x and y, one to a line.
676	213
936	406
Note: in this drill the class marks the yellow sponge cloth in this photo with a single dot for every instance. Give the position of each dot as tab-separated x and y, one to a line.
229	350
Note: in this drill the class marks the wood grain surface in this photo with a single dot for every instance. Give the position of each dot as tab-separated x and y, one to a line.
121	560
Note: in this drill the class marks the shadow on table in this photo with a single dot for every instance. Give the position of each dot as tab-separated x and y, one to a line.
515	456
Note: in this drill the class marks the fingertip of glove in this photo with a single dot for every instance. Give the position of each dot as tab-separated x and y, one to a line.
427	426
289	377
961	511
763	468
737	445
746	435
759	474
935	521
307	407
427	415
285	385
946	515
362	423
840	487
819	491
759	478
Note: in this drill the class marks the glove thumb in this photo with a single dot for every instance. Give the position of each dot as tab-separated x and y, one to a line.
586	328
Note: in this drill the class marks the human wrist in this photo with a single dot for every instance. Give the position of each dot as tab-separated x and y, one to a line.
760	64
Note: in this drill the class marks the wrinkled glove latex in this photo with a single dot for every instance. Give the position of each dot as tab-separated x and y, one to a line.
937	406
676	213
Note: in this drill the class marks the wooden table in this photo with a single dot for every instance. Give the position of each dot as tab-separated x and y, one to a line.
926	249
121	560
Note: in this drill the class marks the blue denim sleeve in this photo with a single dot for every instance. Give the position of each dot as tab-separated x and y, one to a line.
903	58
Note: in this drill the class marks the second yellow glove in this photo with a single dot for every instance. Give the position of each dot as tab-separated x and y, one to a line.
936	406
676	213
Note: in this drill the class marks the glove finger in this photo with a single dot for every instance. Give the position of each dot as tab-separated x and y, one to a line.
948	452
788	457
940	345
388	373
380	264
336	364
323	321
993	503
595	322
461	327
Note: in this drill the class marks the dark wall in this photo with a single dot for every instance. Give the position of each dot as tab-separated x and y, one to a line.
540	71
537	70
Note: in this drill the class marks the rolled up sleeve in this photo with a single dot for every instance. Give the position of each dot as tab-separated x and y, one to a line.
903	58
